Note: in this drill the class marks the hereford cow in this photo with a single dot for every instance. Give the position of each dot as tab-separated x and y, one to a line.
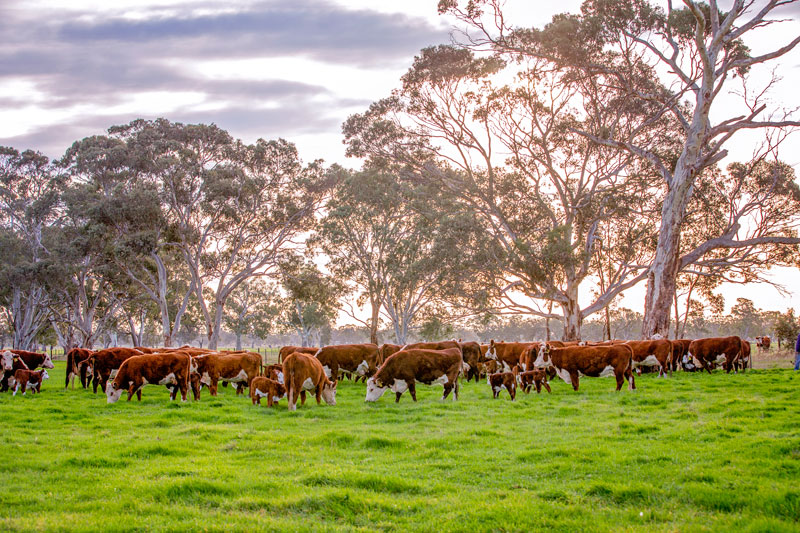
403	370
35	360
528	356
507	353
270	389
358	359
75	357
534	378
473	357
744	357
303	372
653	353
11	363
168	368
594	361
105	364
233	367
285	351
503	380
763	343
715	351
29	380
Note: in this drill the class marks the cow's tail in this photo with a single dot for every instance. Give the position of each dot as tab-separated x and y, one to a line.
288	378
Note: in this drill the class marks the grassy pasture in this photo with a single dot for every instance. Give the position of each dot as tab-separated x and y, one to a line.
691	453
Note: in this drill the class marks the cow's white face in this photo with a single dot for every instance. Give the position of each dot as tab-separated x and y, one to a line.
48	363
329	393
192	365
7	360
491	353
45	375
373	390
687	358
542	357
112	393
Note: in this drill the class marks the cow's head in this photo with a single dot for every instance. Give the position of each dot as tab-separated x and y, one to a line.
45	375
374	389
48	363
329	392
113	392
491	353
7	360
543	356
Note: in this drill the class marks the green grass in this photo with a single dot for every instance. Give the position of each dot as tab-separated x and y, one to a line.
691	453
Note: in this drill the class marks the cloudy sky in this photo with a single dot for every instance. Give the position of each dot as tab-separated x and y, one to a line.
72	68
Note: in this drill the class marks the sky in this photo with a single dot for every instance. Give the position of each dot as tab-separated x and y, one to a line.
269	69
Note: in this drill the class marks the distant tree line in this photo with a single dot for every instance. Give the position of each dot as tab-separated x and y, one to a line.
525	172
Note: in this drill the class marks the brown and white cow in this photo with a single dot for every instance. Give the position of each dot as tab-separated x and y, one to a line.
35	360
534	378
29	380
303	372
503	381
715	351
274	372
652	353
106	362
168	368
75	358
507	354
473	358
270	389
358	359
744	357
401	371
285	351
11	363
571	362
234	367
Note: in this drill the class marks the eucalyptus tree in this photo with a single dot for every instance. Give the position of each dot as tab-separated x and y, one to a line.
700	54
312	299
252	309
29	209
507	152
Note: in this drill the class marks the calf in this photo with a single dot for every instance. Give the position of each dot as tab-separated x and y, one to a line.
239	368
77	366
594	361
503	380
536	378
262	387
274	372
29	380
401	371
303	372
715	351
169	368
358	359
528	356
652	353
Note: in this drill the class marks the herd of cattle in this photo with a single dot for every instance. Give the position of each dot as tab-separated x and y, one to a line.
504	365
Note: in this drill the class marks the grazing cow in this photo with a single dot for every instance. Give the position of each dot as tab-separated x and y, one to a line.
285	351
653	353
11	362
715	351
536	378
303	372
105	364
75	358
168	368
503	380
29	380
507	353
35	360
358	359
239	368
401	371
594	361
744	357
274	372
262	387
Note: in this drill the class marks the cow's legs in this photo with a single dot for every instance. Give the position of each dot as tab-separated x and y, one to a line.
214	385
184	389
318	392
545	385
302	397
412	388
397	397
574	377
139	394
447	388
